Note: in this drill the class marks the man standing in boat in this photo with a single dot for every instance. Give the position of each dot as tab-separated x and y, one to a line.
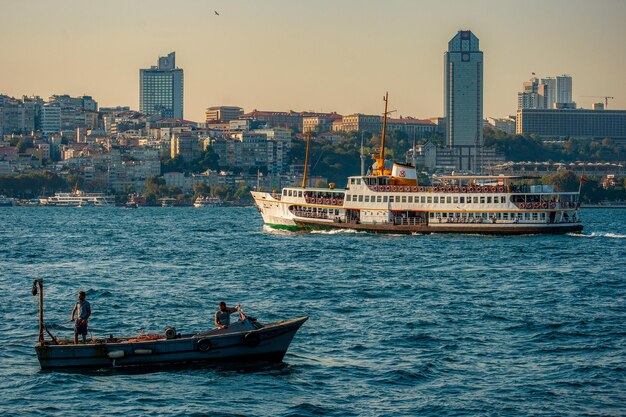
82	311
222	315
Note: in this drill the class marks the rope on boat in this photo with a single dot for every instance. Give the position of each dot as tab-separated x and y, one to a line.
19	342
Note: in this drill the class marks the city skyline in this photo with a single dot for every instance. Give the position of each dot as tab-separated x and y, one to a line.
317	57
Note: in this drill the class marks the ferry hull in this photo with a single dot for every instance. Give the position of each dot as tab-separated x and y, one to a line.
488	229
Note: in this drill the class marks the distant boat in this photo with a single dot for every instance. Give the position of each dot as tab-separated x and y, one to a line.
6	202
243	341
79	199
167	202
207	201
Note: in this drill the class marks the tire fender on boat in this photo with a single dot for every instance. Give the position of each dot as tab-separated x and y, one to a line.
204	345
251	339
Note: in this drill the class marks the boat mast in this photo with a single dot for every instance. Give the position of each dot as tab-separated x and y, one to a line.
381	159
306	158
38	288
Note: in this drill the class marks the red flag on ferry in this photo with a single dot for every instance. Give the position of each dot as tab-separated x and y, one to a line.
583	179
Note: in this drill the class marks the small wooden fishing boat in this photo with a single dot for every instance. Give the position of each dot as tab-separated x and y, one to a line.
243	341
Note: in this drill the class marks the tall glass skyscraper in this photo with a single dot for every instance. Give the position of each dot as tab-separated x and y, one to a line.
464	97
464	90
161	88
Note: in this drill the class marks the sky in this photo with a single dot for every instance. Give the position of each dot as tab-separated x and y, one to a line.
322	55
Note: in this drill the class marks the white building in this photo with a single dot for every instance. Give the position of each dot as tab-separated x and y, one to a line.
51	118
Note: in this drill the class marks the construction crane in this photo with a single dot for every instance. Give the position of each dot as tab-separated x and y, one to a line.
606	99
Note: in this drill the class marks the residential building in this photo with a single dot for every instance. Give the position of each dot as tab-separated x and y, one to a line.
223	114
550	83
186	145
463	95
51	118
161	88
504	124
563	123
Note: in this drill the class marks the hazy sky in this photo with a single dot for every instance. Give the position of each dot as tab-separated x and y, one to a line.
322	55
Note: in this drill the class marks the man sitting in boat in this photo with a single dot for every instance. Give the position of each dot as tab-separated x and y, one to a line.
82	310
222	315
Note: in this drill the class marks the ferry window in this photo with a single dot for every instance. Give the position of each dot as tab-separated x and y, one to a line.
449	200
445	215
431	215
351	180
289	193
462	200
482	200
534	216
527	216
358	181
455	200
379	199
543	216
384	199
336	212
391	199
488	200
284	192
429	200
410	199
367	198
360	198
436	200
505	216
299	193
475	200
422	199
404	199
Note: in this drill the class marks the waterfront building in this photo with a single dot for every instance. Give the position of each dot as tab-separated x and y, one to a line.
223	114
563	123
463	95
161	88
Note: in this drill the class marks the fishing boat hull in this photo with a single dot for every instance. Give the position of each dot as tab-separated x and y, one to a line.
268	343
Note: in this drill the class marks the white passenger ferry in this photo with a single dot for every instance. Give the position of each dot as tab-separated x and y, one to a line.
79	198
390	200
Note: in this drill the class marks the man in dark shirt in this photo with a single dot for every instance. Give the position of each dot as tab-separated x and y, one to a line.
222	315
82	311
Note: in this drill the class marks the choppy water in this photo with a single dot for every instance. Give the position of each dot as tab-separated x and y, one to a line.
400	325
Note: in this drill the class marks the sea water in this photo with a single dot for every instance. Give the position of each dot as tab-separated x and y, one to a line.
399	325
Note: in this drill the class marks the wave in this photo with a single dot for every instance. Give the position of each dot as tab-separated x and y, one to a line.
598	234
335	231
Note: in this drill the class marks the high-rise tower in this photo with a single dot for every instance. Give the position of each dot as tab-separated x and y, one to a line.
161	88
464	98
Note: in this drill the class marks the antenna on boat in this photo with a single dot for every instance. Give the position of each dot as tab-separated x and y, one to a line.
306	158
362	157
